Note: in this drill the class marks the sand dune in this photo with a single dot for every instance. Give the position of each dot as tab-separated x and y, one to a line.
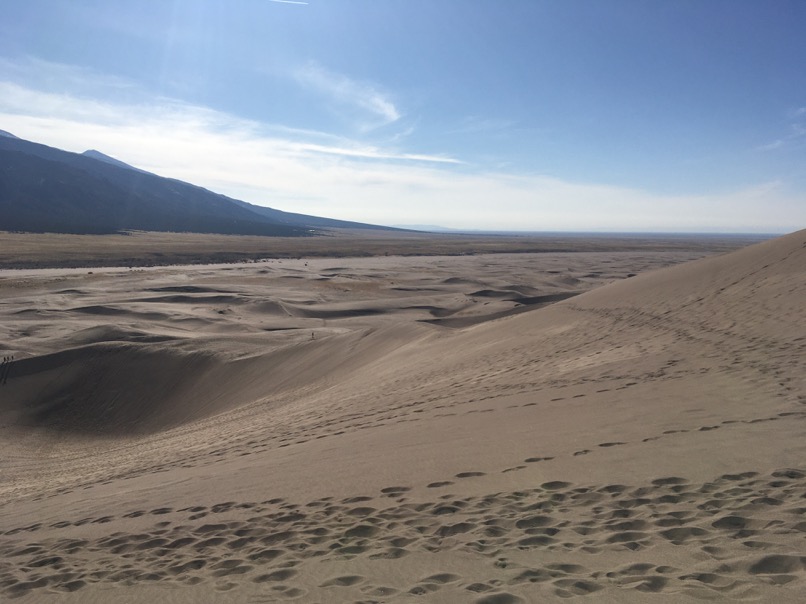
470	429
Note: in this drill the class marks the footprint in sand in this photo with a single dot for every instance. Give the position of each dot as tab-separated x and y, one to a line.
441	578
450	530
160	511
500	597
393	491
344	581
669	481
555	485
279	575
357	499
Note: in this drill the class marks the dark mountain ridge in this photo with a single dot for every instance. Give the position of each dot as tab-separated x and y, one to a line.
110	160
43	189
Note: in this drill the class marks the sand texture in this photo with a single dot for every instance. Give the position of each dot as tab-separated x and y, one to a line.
490	429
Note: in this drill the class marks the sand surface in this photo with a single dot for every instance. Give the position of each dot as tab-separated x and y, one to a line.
443	429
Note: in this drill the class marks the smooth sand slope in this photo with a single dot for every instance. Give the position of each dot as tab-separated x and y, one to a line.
403	430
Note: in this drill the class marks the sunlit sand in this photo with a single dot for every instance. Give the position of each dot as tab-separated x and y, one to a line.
490	428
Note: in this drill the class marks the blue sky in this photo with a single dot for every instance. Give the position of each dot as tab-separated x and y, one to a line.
532	115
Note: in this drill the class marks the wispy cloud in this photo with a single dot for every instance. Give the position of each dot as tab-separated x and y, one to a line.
37	73
317	173
797	131
36	107
376	107
288	2
776	144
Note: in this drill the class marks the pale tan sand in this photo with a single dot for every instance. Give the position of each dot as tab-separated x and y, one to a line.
408	429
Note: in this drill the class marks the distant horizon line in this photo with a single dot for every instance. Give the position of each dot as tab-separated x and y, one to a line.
448	231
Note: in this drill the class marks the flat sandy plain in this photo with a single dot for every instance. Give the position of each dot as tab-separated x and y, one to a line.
408	429
138	248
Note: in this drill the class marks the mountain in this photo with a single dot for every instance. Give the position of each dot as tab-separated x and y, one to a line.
314	222
110	160
43	189
5	134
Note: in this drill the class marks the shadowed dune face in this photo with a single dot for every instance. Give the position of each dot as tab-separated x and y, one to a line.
118	388
107	388
464	430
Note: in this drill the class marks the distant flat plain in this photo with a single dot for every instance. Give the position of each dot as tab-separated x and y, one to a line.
137	248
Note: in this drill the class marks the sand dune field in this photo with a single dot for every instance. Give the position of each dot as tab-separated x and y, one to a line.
494	429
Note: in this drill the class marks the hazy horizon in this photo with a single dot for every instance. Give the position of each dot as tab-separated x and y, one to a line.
526	232
531	117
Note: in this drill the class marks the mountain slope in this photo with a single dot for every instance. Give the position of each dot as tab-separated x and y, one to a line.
43	189
43	195
110	160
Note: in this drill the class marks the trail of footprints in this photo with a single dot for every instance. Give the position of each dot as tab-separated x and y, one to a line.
742	525
406	412
255	446
668	433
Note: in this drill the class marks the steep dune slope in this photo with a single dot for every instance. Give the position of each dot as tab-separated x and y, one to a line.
678	351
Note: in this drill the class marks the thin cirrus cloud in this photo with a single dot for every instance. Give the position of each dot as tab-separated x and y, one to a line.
797	131
374	108
36	73
26	105
322	174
